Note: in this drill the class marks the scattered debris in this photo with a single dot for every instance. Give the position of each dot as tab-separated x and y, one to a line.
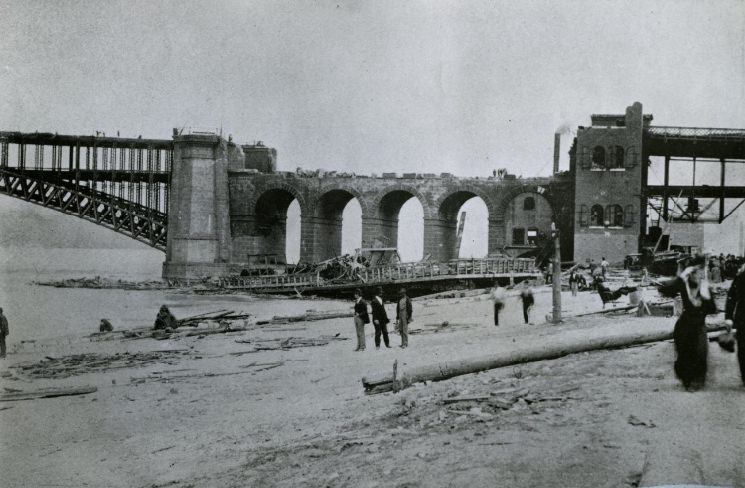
285	344
90	363
46	393
635	421
98	282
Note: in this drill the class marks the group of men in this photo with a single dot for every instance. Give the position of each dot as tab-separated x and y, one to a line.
380	320
499	297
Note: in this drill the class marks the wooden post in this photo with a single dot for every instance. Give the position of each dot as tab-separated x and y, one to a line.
556	279
721	197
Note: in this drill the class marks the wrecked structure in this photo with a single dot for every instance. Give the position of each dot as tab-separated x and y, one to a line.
218	208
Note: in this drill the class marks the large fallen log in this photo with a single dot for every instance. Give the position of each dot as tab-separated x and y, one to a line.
449	369
46	393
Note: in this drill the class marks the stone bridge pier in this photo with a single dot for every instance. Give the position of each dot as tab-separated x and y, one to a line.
228	209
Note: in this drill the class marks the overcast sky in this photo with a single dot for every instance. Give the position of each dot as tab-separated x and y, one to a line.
371	86
435	86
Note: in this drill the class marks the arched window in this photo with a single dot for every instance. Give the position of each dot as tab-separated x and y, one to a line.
616	216
596	216
529	203
598	157
518	236
617	157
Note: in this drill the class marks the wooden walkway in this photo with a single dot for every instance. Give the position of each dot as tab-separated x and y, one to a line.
391	274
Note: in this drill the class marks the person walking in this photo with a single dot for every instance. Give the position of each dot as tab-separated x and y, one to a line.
498	298
526	296
4	332
689	335
404	313
573	282
604	265
360	319
380	318
734	313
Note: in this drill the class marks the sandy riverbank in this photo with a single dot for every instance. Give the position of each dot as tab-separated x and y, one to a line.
210	413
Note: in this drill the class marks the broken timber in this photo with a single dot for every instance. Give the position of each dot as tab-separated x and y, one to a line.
420	274
449	369
46	393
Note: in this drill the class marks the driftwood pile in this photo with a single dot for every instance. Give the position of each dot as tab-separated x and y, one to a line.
337	269
98	282
440	327
506	399
164	377
309	316
77	364
285	344
16	395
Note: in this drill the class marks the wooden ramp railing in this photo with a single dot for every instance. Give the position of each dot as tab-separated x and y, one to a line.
403	272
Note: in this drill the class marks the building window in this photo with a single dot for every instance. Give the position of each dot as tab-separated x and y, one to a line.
596	216
532	236
598	157
615	215
629	216
617	157
518	236
529	203
583	216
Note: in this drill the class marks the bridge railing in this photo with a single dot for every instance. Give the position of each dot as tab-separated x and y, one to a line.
696	132
455	267
136	170
485	267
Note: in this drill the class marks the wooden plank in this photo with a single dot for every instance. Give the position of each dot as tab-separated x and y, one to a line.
46	393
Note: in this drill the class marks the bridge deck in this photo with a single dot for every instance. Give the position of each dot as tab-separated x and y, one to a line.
460	269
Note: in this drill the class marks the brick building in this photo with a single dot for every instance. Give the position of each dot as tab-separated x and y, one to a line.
606	163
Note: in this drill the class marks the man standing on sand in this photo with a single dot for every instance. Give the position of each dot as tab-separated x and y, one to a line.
498	298
380	318
360	319
526	296
604	265
4	331
403	317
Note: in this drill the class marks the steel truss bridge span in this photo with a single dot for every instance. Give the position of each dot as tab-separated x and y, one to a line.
119	183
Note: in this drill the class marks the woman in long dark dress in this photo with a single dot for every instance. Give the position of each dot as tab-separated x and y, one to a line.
689	335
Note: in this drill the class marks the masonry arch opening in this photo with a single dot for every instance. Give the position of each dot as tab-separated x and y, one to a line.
397	221
472	240
338	222
273	235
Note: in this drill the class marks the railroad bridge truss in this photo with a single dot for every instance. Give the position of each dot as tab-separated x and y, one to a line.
118	183
212	206
701	152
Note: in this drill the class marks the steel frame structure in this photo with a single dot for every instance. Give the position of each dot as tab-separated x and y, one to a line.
693	144
122	184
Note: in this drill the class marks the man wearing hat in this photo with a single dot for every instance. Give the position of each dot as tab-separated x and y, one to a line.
360	319
380	318
403	316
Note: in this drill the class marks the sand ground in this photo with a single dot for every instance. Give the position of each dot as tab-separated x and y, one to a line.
209	413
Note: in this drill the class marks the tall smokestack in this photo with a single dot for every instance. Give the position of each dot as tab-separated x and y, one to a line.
557	151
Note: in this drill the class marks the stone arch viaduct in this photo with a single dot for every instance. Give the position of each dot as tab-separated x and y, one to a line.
228	203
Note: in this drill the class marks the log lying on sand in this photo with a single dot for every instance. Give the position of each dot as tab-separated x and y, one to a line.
449	369
46	393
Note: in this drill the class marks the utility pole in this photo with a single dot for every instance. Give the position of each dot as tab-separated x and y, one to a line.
556	283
